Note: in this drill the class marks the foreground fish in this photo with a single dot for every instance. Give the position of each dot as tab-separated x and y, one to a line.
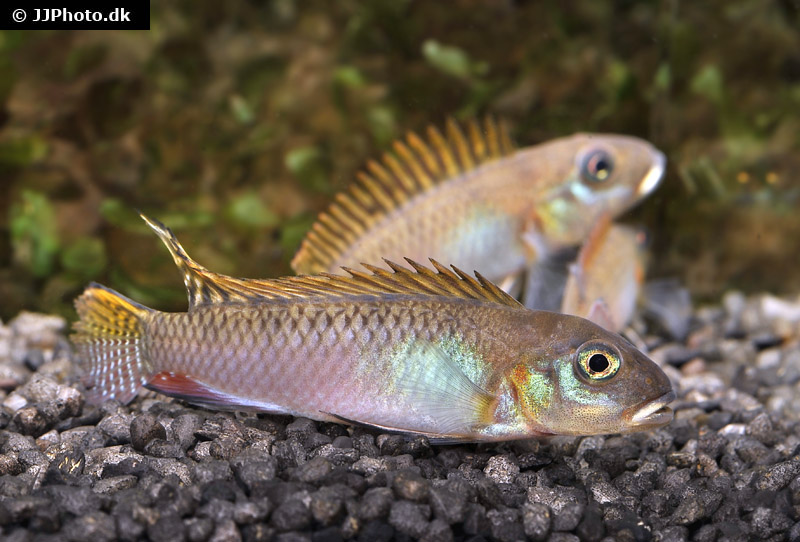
474	201
434	353
605	280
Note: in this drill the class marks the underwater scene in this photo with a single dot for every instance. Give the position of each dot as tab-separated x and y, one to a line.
403	270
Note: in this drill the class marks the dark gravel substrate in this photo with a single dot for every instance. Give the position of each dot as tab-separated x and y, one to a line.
727	468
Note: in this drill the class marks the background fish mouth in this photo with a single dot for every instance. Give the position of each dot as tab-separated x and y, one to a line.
654	412
654	175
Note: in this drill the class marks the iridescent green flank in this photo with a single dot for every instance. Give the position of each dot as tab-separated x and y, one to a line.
433	352
571	388
537	390
467	358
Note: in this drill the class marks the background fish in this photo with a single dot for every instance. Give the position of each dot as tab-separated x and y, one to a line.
435	353
605	280
473	201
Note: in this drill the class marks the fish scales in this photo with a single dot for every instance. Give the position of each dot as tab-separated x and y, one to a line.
228	343
427	351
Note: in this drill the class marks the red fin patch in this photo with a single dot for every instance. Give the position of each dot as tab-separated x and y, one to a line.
187	388
181	386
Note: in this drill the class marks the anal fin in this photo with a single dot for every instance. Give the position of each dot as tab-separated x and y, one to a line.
189	389
186	388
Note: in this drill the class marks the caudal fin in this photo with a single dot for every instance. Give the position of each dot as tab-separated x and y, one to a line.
109	340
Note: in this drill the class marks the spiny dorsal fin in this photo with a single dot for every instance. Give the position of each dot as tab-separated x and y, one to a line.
206	287
415	167
201	284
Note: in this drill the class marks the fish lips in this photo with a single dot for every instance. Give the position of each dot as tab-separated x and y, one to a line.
654	175
651	413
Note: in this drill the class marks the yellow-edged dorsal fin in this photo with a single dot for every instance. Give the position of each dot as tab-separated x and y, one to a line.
206	287
414	167
203	286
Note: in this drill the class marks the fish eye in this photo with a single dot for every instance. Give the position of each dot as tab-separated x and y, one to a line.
597	362
597	166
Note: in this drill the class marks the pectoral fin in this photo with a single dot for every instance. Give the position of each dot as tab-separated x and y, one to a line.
429	394
604	281
511	284
436	387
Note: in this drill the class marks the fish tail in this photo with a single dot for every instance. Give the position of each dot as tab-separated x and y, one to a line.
109	338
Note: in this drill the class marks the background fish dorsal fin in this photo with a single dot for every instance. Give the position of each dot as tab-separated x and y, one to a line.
414	167
206	287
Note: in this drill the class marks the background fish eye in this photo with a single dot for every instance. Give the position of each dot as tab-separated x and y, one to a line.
598	165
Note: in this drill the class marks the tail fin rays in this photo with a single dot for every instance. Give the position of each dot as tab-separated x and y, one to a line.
109	339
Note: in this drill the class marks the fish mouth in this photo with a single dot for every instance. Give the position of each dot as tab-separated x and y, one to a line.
654	175
654	412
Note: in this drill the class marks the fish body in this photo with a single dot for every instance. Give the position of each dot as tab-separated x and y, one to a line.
436	353
604	282
473	201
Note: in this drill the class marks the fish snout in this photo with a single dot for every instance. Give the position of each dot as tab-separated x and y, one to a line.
651	413
654	175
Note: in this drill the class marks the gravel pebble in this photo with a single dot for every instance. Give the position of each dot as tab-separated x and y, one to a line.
568	517
409	518
144	428
313	470
375	504
410	485
94	526
501	469
447	504
505	525
438	531
536	520
198	529
291	515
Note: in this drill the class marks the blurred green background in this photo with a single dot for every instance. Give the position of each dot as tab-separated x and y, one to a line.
234	123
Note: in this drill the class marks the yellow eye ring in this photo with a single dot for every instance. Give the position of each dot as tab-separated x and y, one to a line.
597	362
